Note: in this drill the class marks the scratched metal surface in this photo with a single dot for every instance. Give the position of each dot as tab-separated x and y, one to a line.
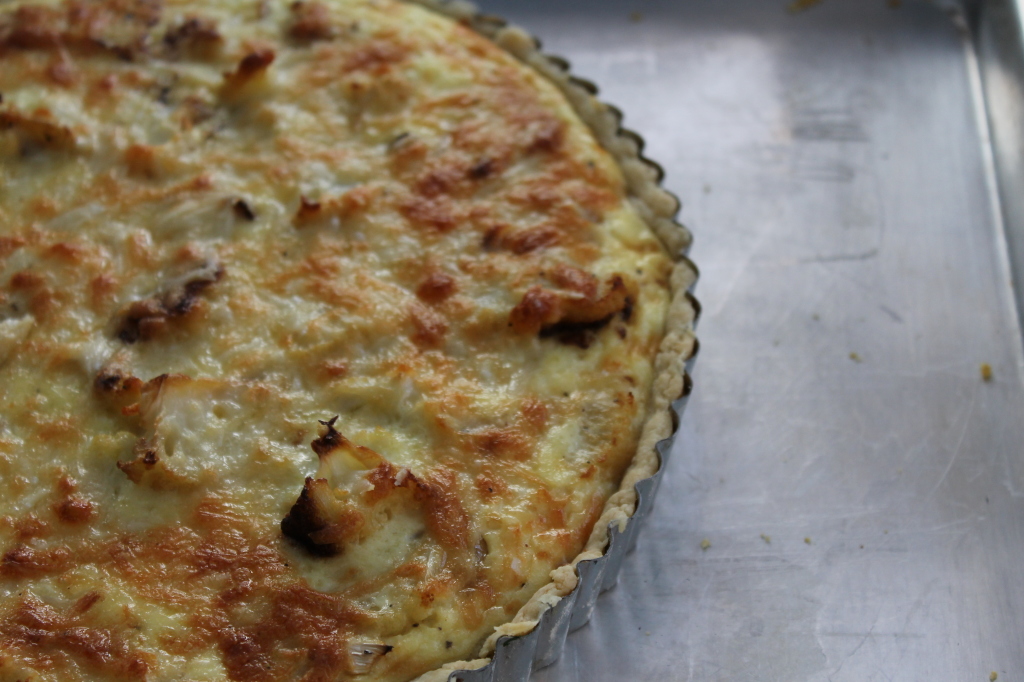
861	487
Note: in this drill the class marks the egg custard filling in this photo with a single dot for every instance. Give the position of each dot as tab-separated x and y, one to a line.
327	329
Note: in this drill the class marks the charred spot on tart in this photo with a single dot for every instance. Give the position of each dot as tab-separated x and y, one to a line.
253	64
579	334
74	510
146	319
320	521
328	441
141	161
482	169
37	130
437	287
250	71
338	455
115	385
308	210
523	241
311	523
539	308
311	21
241	209
195	36
340	207
71	507
146	459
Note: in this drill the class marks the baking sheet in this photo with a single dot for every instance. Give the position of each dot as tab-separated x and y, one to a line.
860	487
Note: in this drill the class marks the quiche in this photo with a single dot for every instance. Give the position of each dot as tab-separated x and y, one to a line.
332	334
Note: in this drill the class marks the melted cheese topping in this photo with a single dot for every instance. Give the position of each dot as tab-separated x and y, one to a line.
221	224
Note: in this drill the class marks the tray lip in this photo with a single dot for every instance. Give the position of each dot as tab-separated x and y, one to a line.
511	657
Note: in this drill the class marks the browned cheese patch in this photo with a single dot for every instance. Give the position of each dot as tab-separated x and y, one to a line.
302	631
40	634
118	28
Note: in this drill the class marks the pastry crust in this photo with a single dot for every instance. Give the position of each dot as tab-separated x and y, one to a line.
188	362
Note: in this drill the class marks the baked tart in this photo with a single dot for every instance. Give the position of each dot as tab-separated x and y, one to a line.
333	334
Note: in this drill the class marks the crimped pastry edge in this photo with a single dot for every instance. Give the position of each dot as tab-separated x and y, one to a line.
672	384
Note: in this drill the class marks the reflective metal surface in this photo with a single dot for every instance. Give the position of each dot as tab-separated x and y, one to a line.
861	488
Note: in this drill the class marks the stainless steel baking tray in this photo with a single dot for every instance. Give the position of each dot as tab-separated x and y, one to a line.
852	173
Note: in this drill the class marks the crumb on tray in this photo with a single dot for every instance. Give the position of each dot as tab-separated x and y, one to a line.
986	372
705	544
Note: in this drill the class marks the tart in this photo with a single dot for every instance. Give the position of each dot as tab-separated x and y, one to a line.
332	336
